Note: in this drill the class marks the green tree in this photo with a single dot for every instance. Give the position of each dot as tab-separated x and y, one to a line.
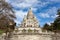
7	16
55	26
57	21
46	26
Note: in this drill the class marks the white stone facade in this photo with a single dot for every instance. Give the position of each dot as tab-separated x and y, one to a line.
30	30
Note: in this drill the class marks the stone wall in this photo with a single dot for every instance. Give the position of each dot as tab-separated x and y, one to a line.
56	36
32	37
1	37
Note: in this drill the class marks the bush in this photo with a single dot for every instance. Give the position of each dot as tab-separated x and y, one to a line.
1	31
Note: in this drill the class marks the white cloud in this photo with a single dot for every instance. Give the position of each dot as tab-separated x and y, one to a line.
18	22
31	1
44	15
34	9
20	15
52	10
23	3
54	16
49	13
54	0
49	23
27	3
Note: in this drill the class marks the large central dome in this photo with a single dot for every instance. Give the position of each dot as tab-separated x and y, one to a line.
29	20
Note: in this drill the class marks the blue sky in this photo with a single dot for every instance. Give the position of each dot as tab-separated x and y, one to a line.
44	10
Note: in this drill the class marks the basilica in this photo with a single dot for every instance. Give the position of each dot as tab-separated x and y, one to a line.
30	29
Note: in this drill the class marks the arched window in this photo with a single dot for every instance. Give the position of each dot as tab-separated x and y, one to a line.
30	25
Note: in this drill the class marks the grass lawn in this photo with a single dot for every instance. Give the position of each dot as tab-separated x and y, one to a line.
1	31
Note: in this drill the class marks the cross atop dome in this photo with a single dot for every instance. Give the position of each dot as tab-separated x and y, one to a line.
30	9
30	12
